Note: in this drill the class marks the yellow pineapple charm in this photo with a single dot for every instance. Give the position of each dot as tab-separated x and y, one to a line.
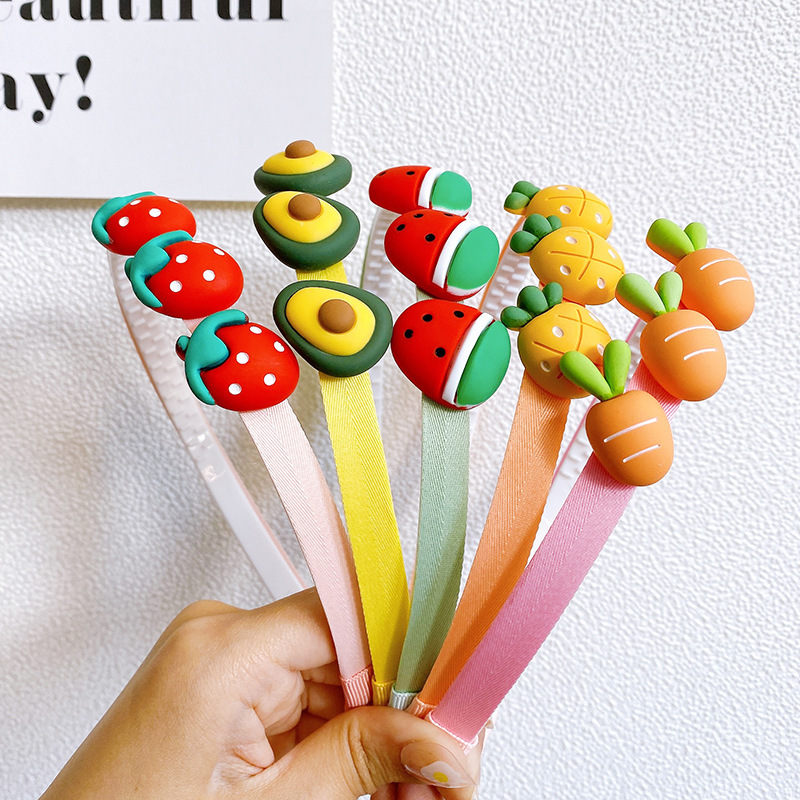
583	262
571	204
549	327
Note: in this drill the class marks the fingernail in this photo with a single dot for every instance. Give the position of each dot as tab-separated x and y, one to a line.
435	765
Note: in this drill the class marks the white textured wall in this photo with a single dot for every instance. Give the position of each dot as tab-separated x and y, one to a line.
674	673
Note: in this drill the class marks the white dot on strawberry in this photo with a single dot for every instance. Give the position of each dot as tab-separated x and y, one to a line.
181	259
209	275
175	286
242	358
123	221
279	347
269	379
234	388
219	252
135	202
255	329
155	212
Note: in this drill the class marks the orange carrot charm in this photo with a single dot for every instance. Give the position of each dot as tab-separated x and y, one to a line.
679	346
629	431
549	328
714	282
571	204
583	262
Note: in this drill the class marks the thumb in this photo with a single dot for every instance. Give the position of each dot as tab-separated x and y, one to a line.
363	749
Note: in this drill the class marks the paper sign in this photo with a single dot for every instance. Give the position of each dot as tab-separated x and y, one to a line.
100	98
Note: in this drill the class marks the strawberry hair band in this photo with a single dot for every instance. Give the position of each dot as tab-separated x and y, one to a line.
239	365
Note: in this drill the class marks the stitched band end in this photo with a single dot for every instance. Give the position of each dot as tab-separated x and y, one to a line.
381	693
358	688
420	709
401	700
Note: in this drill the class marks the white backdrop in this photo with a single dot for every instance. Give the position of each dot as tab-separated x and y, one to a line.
674	673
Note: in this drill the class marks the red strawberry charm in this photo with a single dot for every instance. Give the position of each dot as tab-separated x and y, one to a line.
454	354
123	224
236	364
442	253
402	189
179	277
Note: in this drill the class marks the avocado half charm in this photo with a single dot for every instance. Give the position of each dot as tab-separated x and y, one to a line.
303	168
340	330
304	231
443	254
454	354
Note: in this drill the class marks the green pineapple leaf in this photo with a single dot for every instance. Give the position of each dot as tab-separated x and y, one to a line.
554	293
514	318
516	203
526	188
533	300
523	242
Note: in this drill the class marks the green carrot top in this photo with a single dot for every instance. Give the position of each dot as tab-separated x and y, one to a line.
638	296
672	243
579	369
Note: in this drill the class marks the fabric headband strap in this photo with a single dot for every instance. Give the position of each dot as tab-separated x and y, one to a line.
508	535
377	276
444	485
308	502
369	512
156	349
549	582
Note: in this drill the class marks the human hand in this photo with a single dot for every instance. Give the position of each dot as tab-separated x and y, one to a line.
248	704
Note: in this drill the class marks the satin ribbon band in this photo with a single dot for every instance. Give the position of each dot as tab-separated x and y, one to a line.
371	524
508	535
369	513
308	503
444	486
550	580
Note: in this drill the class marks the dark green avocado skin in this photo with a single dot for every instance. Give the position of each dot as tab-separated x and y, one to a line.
325	181
337	366
310	255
